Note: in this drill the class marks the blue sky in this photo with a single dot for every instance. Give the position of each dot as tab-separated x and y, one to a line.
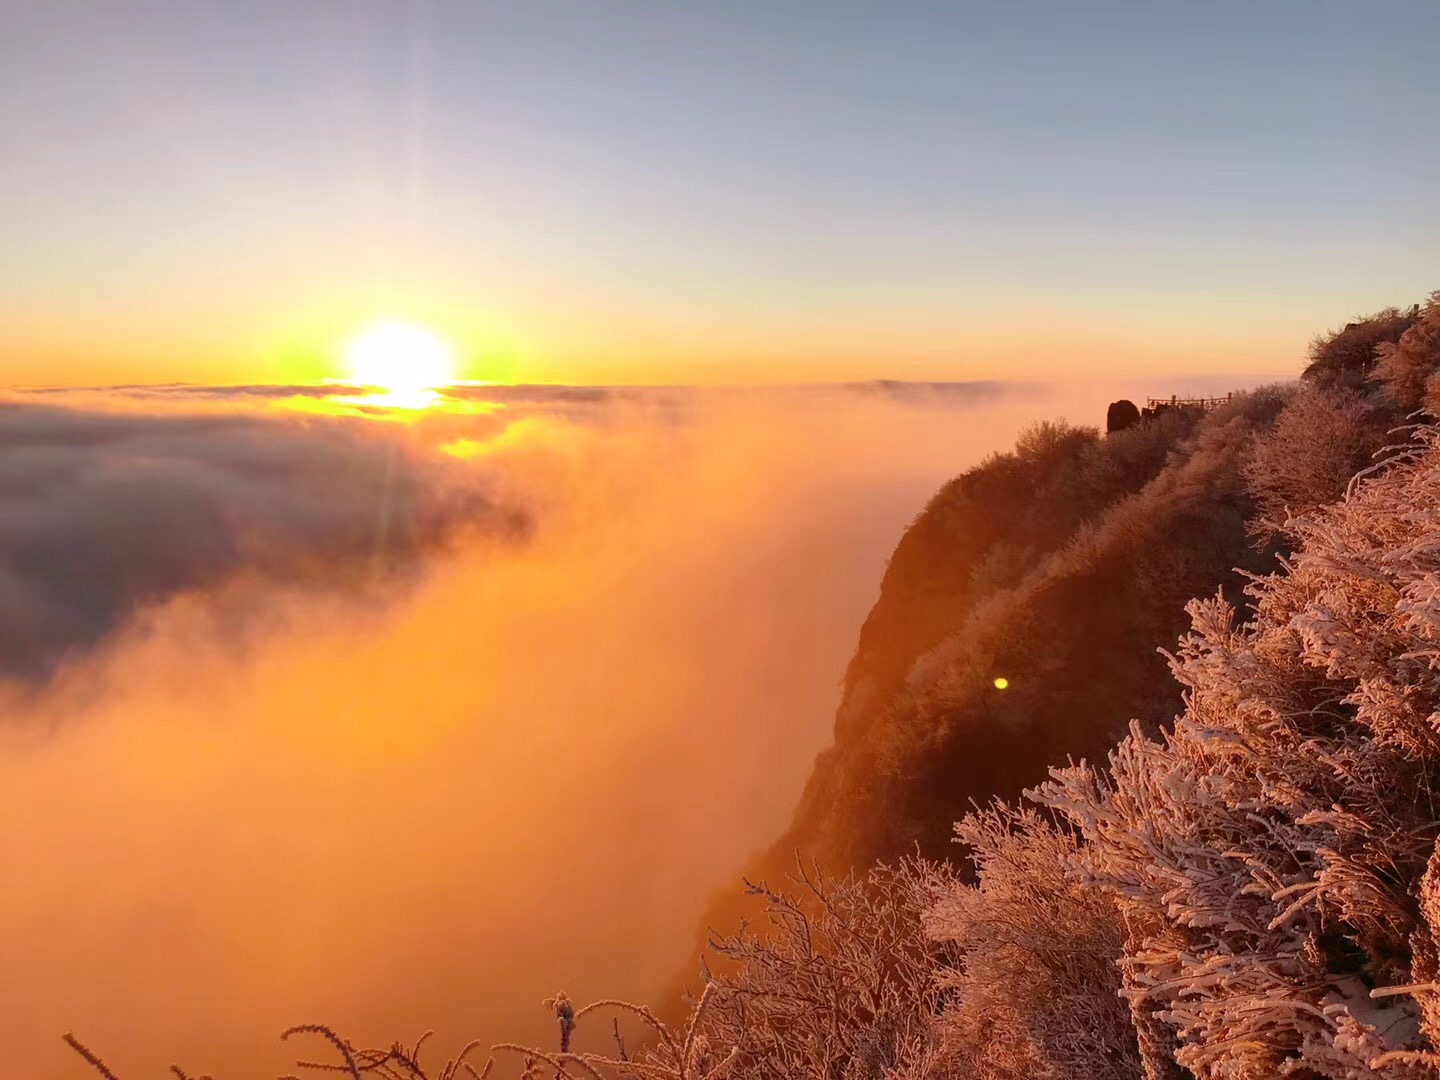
711	190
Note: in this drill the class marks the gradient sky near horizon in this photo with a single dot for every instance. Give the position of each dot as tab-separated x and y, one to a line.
610	191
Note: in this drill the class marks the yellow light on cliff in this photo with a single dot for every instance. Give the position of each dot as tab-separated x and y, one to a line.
1001	683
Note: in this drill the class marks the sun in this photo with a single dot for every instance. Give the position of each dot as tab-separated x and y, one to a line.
407	364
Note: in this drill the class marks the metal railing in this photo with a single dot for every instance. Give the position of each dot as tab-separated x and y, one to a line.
1175	402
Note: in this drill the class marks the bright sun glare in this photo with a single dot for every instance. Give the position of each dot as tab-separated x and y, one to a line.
406	363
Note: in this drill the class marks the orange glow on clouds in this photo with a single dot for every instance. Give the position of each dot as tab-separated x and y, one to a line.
348	810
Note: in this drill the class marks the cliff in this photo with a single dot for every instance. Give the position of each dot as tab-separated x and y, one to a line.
1063	567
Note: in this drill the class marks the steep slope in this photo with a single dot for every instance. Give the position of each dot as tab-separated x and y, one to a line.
982	532
1063	567
1083	576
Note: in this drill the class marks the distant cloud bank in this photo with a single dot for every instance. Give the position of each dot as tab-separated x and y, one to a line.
119	497
103	511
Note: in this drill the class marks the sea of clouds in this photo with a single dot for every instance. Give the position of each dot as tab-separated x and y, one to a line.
309	714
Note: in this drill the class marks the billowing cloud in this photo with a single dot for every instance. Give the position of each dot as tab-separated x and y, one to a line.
103	511
264	789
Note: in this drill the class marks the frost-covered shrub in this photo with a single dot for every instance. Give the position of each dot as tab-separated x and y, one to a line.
1270	854
1319	441
1034	988
837	980
1345	359
1406	367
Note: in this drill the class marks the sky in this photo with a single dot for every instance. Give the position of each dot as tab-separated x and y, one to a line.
596	191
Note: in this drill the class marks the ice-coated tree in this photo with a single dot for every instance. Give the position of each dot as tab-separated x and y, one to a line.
1345	358
1318	442
1034	987
1406	367
1274	855
837	980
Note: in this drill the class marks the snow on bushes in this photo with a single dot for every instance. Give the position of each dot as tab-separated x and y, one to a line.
1270	854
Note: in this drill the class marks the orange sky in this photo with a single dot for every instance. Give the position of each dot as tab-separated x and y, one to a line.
576	193
518	339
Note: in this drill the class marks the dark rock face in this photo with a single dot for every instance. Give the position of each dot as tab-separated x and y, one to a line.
1121	415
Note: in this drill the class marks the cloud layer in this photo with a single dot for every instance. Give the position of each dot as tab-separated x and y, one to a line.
271	784
104	511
